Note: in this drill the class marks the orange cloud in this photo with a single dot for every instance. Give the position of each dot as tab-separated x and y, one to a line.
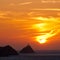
3	14
25	3
48	28
52	9
50	1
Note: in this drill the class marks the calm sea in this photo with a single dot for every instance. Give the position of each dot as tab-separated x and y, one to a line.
33	57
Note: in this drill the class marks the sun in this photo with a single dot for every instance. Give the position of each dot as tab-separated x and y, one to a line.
42	41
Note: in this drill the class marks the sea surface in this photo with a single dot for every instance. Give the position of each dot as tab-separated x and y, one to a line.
33	57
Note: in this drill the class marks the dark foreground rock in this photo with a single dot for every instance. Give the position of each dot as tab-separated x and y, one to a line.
7	51
27	49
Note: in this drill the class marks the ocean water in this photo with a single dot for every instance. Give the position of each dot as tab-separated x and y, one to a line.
33	57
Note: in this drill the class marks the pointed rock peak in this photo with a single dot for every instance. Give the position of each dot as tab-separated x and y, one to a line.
27	49
8	46
28	46
7	51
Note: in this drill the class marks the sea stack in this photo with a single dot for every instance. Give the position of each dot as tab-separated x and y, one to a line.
27	49
7	51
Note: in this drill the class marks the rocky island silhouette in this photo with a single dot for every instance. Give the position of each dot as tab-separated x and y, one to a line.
27	49
9	51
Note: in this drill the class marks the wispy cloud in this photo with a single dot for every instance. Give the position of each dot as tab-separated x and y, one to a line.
31	13
50	1
25	3
20	3
3	14
52	9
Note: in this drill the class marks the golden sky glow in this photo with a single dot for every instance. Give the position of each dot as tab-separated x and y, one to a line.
33	22
48	28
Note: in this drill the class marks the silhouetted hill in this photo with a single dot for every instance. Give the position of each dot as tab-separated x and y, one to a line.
27	49
7	51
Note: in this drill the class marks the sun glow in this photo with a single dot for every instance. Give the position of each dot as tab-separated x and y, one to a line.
45	18
43	38
42	41
47	29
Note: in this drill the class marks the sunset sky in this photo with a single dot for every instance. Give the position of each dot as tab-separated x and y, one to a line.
25	22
